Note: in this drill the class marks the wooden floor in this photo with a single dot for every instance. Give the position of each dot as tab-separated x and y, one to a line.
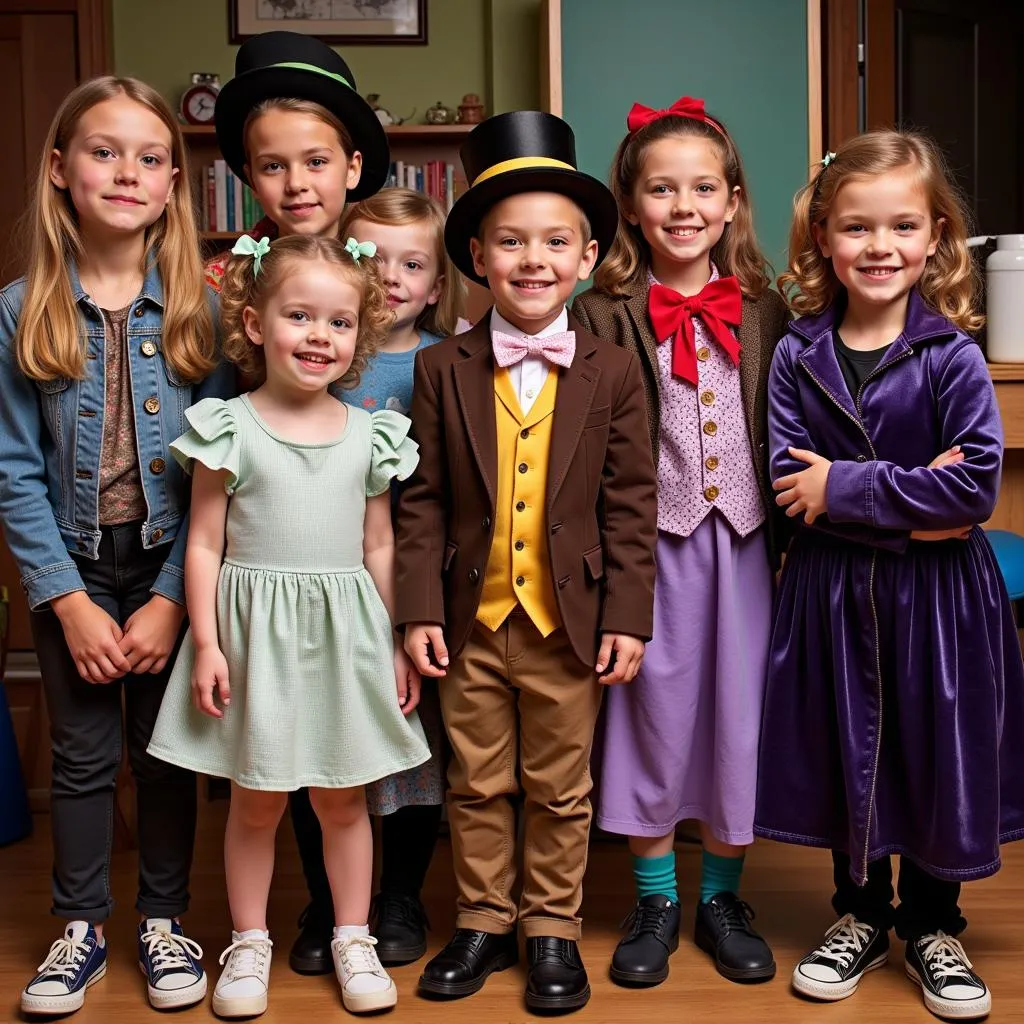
789	888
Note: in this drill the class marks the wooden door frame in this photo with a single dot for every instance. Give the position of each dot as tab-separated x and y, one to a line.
95	23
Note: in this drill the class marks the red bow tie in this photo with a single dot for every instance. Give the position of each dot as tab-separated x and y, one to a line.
719	305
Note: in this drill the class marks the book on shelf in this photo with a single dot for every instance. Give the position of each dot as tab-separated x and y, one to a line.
435	177
227	203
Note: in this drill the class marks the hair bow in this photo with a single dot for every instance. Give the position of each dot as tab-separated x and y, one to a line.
359	249
827	159
248	246
685	106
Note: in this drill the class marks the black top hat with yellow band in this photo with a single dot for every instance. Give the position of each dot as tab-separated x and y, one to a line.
523	151
287	65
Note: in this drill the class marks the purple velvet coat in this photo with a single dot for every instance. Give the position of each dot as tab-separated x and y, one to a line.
894	715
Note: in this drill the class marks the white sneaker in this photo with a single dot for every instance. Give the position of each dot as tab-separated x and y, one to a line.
365	985
243	984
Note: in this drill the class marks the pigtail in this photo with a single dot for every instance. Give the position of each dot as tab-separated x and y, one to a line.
238	290
808	284
375	321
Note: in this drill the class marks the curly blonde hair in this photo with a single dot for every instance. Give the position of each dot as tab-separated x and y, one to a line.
242	288
736	252
950	282
404	206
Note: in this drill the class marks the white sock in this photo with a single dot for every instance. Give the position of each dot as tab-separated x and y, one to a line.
350	931
253	933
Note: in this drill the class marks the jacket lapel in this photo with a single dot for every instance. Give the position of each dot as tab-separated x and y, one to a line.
636	306
474	384
576	387
751	354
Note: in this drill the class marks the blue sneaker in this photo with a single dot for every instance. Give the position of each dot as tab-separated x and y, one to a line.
73	964
170	962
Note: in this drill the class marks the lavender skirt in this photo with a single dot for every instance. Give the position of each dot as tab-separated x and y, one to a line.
681	741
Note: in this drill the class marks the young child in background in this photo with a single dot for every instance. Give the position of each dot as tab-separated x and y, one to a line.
424	292
685	288
894	717
293	127
525	556
102	346
286	677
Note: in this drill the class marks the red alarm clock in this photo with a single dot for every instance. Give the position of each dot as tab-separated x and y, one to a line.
198	101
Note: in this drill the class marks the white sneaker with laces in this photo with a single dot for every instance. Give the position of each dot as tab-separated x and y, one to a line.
365	985
241	990
833	970
939	965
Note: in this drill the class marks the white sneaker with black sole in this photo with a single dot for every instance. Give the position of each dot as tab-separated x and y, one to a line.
939	965
833	970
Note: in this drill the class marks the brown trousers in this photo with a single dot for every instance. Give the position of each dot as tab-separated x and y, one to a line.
513	697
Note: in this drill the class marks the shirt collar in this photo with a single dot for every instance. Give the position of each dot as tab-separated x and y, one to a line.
651	279
559	325
152	284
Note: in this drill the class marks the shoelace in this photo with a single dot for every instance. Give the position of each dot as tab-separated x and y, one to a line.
643	919
357	954
64	958
945	957
396	906
247	958
844	940
735	912
169	951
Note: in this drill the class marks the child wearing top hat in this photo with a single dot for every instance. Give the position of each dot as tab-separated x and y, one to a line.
525	565
293	127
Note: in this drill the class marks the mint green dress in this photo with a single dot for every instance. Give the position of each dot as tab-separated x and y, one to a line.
306	636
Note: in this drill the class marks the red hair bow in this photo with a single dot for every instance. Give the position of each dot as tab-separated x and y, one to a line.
685	106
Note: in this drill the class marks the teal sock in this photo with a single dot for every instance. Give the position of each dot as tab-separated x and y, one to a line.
719	874
656	876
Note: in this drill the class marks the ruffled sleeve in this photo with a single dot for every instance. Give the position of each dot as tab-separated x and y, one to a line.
213	439
393	453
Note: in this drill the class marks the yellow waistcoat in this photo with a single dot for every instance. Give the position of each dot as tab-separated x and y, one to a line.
518	568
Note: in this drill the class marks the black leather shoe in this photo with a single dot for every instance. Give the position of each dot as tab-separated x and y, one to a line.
311	951
400	928
557	981
641	958
462	967
723	931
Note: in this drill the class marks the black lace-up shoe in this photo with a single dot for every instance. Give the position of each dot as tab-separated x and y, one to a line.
723	931
311	951
641	957
557	980
400	928
462	967
948	983
833	970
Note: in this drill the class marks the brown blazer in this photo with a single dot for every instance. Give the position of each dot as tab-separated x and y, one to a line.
601	492
626	321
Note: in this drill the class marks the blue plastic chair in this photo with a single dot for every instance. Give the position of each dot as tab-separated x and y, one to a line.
1009	549
15	819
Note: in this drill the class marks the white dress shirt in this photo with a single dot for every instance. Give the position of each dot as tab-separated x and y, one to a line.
530	373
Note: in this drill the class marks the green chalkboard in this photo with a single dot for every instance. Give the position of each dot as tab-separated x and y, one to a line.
746	58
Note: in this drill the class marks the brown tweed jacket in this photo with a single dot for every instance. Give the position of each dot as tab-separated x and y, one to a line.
625	321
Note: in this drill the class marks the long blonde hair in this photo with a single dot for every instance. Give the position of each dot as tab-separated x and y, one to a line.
950	282
404	206
629	258
241	287
50	341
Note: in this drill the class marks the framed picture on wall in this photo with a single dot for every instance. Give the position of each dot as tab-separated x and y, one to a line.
333	21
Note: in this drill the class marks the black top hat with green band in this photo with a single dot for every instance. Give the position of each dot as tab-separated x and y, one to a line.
523	151
287	65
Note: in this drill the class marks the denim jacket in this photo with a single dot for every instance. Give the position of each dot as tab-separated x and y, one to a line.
51	435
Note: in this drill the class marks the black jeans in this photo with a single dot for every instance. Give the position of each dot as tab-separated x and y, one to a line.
927	904
86	740
408	838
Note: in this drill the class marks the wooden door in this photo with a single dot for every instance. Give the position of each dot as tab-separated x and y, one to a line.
46	48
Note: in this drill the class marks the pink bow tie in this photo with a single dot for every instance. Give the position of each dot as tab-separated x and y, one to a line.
555	348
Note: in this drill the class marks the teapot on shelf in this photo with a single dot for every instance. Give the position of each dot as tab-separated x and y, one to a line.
439	114
1004	297
384	115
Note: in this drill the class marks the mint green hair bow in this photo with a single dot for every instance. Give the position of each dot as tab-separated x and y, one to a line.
827	159
248	246
359	249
